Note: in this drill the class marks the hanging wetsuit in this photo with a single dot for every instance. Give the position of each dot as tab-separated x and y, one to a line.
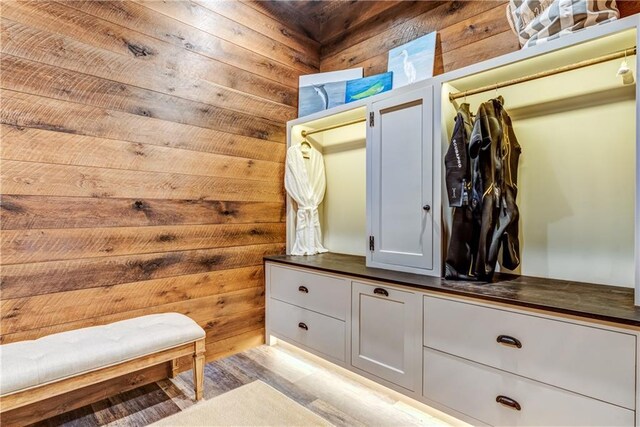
495	153
465	225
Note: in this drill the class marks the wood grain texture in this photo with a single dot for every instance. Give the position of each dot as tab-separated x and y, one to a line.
468	32
25	42
125	40
22	111
51	82
142	164
37	145
27	212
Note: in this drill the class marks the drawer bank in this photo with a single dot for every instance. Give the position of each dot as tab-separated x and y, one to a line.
520	351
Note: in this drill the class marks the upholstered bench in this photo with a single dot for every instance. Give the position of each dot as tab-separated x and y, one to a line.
31	371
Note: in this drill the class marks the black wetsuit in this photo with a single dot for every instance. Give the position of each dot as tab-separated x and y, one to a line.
466	226
481	177
495	152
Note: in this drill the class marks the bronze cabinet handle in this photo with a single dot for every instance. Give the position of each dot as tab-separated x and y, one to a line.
508	402
303	289
381	291
303	326
510	341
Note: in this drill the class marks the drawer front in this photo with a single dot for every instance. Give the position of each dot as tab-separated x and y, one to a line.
473	389
384	339
316	331
317	292
587	360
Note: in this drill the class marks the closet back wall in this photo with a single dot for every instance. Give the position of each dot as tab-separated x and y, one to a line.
142	163
468	32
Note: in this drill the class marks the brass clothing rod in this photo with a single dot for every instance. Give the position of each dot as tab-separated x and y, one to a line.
587	63
311	132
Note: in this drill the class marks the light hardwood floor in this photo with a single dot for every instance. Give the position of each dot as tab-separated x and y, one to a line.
328	392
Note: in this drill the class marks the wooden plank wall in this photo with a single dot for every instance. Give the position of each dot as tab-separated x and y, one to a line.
142	163
468	32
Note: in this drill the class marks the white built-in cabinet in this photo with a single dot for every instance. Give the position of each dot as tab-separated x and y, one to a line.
401	182
383	333
484	363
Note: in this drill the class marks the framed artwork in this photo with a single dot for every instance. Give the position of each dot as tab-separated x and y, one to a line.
322	91
412	61
368	86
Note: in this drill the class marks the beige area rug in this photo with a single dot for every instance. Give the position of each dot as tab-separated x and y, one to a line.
254	404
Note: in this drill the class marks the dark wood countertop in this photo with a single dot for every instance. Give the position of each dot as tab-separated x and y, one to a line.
608	303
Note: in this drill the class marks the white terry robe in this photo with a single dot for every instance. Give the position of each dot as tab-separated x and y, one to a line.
306	185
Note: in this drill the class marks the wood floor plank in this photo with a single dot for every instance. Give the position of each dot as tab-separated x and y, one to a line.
43	179
35	78
59	19
21	280
41	245
39	46
43	146
34	312
29	111
148	404
25	212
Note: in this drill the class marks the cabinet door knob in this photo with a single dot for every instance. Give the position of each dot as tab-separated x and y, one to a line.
381	291
303	326
508	402
303	289
510	341
427	208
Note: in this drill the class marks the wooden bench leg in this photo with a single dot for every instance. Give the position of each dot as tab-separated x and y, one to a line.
198	369
174	368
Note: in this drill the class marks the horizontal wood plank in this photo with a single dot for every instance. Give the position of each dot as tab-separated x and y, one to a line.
29	111
40	245
44	80
23	314
25	212
266	25
58	51
41	179
43	146
207	20
226	347
21	280
437	18
378	24
59	19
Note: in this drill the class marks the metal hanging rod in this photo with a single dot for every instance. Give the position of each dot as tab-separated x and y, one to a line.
587	63
305	133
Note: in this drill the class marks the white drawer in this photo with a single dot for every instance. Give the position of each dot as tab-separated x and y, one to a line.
316	331
317	292
473	389
587	360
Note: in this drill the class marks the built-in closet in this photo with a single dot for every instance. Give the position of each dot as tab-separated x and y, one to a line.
575	121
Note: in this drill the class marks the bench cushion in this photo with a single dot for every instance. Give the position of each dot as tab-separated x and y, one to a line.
26	364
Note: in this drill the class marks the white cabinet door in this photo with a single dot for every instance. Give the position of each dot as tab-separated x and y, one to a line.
385	336
401	183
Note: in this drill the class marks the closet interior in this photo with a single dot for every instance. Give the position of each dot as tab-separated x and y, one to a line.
577	174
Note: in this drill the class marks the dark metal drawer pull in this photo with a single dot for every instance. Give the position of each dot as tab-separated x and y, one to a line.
510	341
303	289
303	326
381	291
509	402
